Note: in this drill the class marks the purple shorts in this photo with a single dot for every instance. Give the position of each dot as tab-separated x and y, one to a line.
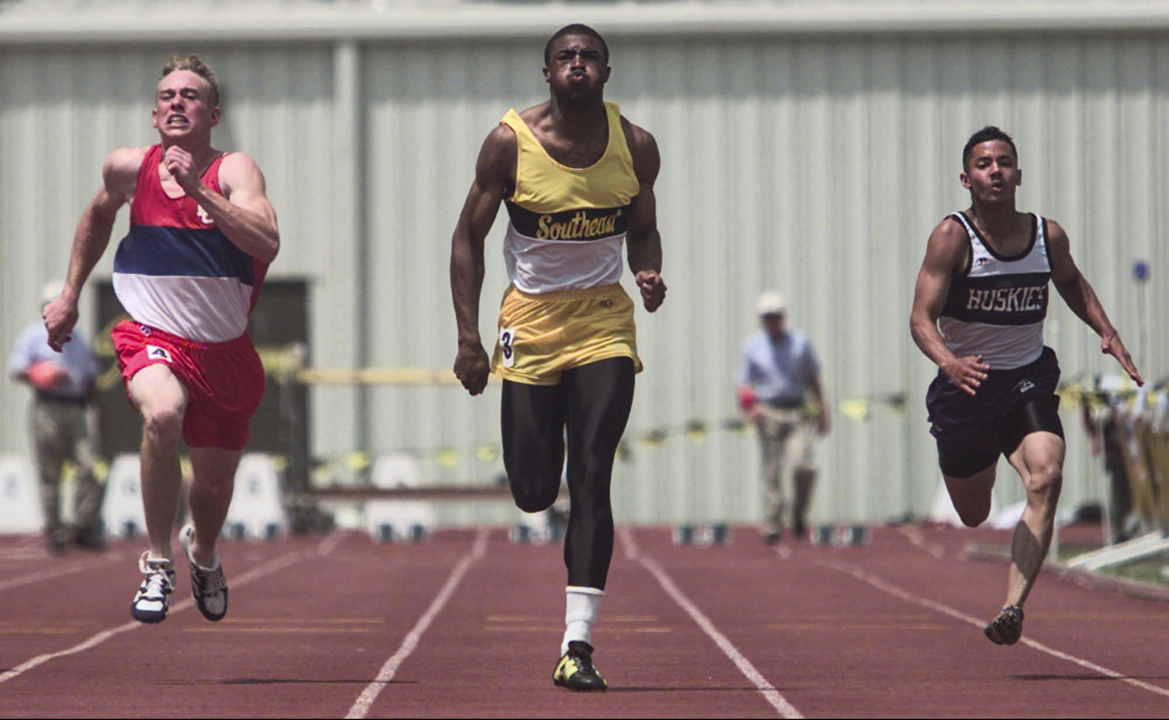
972	430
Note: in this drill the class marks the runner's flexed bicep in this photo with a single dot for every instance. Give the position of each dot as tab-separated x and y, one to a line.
1077	292
243	213
946	253
494	180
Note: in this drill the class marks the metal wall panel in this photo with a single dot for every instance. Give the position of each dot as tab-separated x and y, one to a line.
817	164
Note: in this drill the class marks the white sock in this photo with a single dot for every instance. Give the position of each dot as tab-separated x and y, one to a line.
584	605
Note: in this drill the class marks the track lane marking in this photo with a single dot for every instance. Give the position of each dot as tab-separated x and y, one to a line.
936	551
365	700
51	573
330	542
24	549
243	579
766	689
895	591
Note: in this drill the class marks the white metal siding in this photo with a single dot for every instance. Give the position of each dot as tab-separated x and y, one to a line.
817	164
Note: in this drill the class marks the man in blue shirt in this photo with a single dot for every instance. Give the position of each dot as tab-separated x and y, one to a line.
62	426
777	372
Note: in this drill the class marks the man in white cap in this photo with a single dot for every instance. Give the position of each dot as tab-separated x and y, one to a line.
62	426
777	373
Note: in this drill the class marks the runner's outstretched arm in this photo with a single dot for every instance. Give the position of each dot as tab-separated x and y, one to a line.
1077	292
119	176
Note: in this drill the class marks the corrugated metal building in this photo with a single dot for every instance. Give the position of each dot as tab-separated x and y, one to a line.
806	146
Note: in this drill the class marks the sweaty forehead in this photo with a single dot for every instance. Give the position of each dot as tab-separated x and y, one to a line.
991	148
182	79
576	42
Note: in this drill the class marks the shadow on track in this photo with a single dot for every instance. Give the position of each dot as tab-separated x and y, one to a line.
683	688
280	681
1087	676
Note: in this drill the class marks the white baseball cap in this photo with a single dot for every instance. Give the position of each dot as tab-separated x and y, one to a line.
770	303
51	289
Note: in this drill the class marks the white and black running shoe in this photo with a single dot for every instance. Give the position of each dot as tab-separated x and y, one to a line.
208	585
153	597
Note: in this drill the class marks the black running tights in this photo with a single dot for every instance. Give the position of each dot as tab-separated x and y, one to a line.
593	402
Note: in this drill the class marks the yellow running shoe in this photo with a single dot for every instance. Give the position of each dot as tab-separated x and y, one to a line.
575	670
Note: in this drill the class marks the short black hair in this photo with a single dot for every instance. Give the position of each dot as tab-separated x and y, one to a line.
574	29
988	133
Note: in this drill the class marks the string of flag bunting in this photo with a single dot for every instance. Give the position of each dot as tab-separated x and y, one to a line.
285	365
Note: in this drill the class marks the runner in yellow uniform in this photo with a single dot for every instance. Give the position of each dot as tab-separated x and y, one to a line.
578	180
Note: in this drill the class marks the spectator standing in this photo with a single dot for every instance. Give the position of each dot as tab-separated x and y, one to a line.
63	425
777	374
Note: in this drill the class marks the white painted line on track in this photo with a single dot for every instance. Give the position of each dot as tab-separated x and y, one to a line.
28	548
895	591
915	537
326	547
243	579
773	696
25	543
49	574
365	701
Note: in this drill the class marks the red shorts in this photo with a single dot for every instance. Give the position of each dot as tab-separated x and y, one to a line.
224	381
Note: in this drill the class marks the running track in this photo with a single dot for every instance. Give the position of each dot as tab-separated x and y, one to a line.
468	625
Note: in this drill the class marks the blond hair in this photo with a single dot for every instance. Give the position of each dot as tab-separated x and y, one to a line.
192	63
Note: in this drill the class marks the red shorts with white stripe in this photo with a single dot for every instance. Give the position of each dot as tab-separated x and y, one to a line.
224	381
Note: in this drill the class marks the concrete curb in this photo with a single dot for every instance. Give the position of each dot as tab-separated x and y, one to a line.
1084	578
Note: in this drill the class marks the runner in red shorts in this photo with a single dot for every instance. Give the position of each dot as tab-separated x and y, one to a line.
202	234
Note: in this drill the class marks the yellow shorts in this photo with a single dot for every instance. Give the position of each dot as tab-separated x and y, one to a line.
541	336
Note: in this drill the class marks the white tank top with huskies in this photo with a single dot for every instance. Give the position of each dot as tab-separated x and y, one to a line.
996	306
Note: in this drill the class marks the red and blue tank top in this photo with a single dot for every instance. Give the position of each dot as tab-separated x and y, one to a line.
176	271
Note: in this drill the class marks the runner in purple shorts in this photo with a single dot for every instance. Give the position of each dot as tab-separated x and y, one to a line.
978	313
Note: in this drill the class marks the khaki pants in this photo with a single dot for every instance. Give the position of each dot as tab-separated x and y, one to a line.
66	431
785	437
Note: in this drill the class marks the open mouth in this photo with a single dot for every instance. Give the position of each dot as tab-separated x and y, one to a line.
173	120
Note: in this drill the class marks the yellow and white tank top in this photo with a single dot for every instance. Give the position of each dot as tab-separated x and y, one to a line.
567	225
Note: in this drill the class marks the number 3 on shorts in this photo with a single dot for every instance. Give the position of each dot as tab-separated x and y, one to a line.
507	346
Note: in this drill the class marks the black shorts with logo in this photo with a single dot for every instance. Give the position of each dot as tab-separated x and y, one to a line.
972	430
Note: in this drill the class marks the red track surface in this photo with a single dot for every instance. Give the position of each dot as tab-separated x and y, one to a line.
884	630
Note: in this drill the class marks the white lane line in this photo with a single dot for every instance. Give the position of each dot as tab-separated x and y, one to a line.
51	573
23	542
915	537
243	579
365	701
958	615
24	554
773	696
326	547
27	548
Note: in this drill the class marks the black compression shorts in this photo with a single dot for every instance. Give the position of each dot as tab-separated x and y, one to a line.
973	430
